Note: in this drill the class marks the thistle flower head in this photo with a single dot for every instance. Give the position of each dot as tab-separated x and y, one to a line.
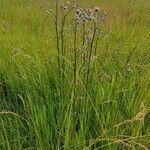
103	17
91	18
77	11
89	11
75	6
105	14
77	18
63	7
68	3
85	17
87	14
96	9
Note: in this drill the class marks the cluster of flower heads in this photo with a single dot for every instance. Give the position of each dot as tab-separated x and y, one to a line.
86	14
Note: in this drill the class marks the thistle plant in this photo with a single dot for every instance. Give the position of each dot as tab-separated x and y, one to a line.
89	21
57	36
95	17
62	10
85	25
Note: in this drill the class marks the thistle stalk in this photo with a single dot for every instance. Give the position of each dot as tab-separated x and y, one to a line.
57	38
83	43
75	54
62	46
90	53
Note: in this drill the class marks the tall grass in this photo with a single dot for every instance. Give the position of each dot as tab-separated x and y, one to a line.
74	77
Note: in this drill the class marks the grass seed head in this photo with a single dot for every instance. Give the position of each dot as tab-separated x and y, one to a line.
141	115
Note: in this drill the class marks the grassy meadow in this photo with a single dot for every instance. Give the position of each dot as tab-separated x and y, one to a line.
72	84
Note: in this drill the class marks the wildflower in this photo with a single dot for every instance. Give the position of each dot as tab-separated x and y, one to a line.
63	7
86	14
68	3
85	17
105	14
96	9
103	17
89	11
77	11
77	18
75	6
91	18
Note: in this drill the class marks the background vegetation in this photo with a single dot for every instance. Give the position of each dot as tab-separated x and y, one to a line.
41	110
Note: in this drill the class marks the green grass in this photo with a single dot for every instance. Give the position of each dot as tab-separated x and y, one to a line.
38	111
